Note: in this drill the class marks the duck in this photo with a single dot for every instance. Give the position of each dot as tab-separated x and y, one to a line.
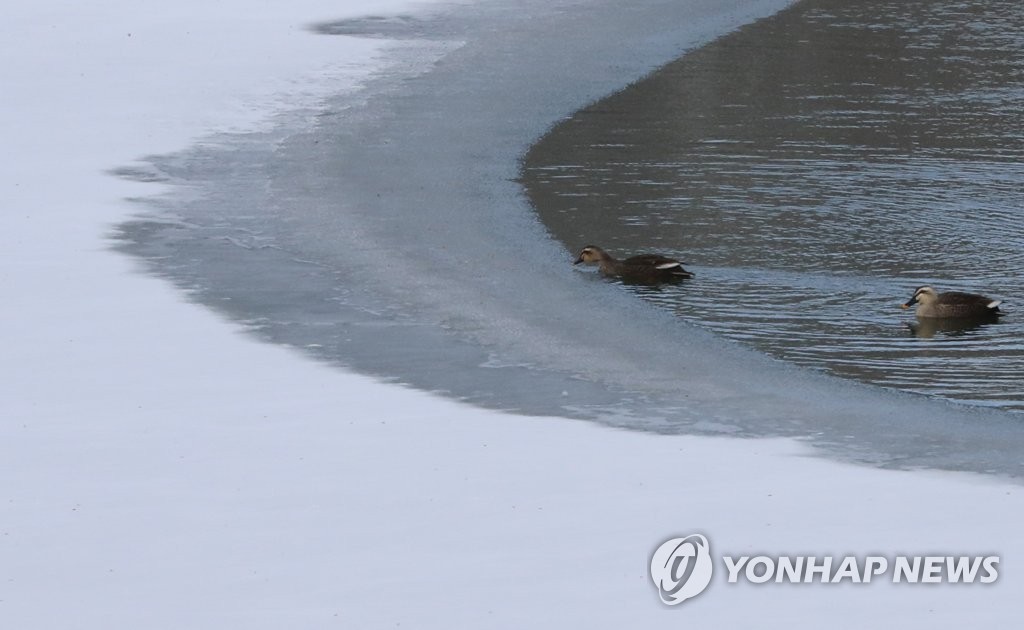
952	304
641	269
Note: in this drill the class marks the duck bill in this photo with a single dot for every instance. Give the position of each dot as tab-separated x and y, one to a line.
578	260
908	304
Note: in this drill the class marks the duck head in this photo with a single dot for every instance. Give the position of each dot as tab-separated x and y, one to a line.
923	295
590	254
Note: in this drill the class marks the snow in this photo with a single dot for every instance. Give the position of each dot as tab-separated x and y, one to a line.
162	469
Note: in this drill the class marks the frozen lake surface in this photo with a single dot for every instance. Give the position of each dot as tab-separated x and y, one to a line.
165	469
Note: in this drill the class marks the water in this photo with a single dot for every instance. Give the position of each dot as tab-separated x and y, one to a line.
813	169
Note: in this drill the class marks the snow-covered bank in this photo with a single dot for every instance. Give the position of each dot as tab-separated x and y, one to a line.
163	470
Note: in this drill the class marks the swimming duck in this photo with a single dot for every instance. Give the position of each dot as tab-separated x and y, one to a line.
952	304
643	269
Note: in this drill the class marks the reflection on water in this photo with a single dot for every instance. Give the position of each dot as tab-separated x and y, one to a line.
814	168
928	328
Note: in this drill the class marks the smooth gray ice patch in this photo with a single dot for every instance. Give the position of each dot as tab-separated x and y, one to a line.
388	27
143	174
390	234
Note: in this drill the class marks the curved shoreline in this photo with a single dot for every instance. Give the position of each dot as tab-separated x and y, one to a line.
402	218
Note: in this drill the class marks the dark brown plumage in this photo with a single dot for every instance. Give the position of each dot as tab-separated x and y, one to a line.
642	269
952	304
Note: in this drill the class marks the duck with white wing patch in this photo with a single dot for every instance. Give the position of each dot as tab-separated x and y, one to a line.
642	269
952	304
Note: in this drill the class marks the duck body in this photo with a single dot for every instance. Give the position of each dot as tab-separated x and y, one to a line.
642	269
952	305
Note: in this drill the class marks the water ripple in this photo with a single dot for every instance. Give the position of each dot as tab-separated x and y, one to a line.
877	148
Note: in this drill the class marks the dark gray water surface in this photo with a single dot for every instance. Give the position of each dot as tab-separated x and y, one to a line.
814	169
